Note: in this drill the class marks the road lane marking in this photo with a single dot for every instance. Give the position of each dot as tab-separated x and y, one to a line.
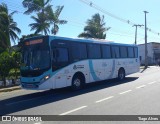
152	82
140	86
125	92
65	113
104	99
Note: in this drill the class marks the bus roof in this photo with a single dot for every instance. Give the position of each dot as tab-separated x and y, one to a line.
90	40
86	40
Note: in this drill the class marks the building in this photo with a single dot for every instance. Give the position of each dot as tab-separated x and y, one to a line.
153	53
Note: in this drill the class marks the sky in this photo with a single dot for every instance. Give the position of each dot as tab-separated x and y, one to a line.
77	13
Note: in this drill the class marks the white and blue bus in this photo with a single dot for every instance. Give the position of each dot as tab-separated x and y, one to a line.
51	62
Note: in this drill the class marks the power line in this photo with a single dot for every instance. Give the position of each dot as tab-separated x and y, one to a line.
91	4
80	24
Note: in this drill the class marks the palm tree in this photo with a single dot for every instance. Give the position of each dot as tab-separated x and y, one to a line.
44	9
5	65
8	27
4	40
54	18
41	19
95	28
35	5
12	28
41	24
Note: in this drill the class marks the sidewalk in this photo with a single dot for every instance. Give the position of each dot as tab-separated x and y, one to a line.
10	89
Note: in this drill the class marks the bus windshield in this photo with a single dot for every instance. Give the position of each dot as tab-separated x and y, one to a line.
36	57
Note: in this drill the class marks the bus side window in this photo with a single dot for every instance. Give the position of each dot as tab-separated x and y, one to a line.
115	52
79	51
60	55
130	52
135	52
106	52
123	52
94	51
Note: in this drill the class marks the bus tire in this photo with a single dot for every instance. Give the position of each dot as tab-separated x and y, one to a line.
77	82
121	74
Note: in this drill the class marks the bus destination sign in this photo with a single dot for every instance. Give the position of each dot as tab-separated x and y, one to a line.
33	42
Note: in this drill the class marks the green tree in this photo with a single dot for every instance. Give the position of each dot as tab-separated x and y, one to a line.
4	37
35	5
8	27
28	36
41	24
4	41
95	28
54	18
15	57
45	16
5	65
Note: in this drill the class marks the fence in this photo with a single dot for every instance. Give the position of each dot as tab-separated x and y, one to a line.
10	83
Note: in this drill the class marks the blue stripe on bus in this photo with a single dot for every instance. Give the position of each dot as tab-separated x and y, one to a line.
92	71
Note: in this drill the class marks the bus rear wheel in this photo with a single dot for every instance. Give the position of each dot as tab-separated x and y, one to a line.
121	74
77	83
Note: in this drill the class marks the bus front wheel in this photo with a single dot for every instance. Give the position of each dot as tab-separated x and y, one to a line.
77	83
121	74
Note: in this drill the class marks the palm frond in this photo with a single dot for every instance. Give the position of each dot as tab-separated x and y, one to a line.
8	25
95	28
62	22
41	24
59	10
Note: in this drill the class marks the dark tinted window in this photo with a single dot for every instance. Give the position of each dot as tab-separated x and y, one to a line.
136	52
123	52
79	51
130	52
106	52
115	52
60	55
94	51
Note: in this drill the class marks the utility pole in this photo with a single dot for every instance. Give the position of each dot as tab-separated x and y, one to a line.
146	51
136	32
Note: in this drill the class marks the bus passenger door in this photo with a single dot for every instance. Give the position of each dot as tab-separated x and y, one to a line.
59	62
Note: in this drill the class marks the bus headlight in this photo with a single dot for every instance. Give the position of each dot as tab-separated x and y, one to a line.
45	78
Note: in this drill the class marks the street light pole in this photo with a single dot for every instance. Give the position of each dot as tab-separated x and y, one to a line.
136	32
146	51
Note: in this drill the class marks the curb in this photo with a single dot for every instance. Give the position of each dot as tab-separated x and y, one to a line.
10	89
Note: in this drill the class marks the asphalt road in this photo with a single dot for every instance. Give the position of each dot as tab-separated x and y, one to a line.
138	94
